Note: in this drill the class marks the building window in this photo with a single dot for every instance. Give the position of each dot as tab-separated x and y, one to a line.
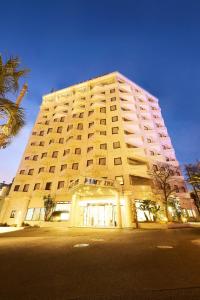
63	167
12	214
117	161
102	161
75	166
49	130
102	132
89	149
80	126
90	124
81	115
22	172
149	140
44	155
66	152
116	145
59	129
62	119
16	188
48	186
103	121
52	169
30	172
41	170
115	119
26	158
55	154
79	137
115	130
36	186
113	99
60	185
90	112
61	141
152	153
113	107
35	157
112	90
119	179
78	151
69	127
89	162
26	187
41	133
103	146
41	144
90	135
103	110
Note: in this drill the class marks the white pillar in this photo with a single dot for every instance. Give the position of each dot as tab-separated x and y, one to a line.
129	212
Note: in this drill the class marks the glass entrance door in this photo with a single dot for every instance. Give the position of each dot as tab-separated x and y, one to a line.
99	215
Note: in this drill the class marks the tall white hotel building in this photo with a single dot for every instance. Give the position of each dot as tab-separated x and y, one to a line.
90	150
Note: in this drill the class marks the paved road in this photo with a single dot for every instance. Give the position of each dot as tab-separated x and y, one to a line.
43	263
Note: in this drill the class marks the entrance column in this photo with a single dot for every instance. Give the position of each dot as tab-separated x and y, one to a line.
73	211
129	212
119	215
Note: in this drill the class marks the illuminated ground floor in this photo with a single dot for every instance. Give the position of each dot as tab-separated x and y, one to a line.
89	203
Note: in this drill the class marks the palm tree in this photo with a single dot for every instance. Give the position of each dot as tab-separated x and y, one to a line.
11	115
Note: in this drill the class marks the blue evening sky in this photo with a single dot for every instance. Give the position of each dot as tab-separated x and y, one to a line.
155	43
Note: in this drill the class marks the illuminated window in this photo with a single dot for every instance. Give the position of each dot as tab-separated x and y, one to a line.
29	214
78	151
102	161
26	187
44	155
119	179
41	170
30	172
103	121
103	146
115	130
48	186
89	162
115	119
80	126
16	188
103	110
55	154
66	152
52	169
49	130
90	124
116	145
63	167
113	107
75	166
36	186
60	185
117	161
89	149
59	129
102	132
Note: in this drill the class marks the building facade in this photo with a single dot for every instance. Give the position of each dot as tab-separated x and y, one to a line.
90	150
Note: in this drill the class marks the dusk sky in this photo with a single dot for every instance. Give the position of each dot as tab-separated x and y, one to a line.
154	43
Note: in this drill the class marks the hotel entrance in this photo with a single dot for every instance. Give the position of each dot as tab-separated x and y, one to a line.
99	215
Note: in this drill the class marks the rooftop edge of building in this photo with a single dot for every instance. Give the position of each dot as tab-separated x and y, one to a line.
93	79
